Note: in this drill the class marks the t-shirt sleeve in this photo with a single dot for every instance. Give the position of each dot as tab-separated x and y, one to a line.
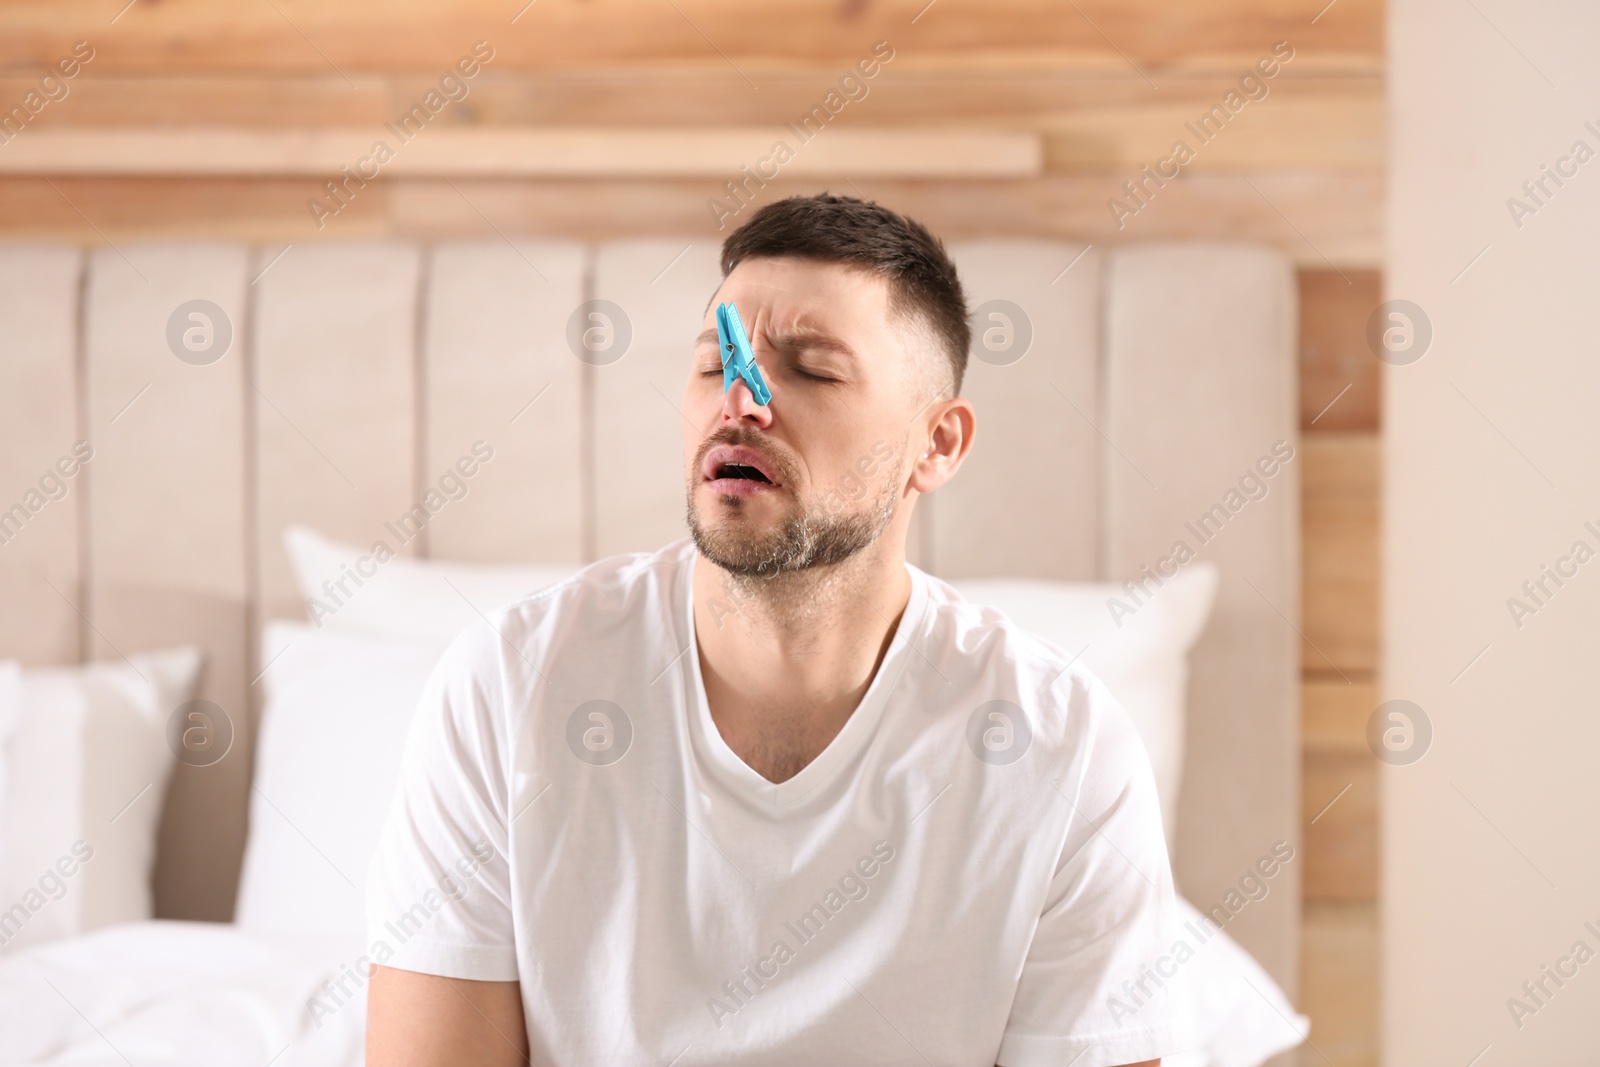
1100	985
438	890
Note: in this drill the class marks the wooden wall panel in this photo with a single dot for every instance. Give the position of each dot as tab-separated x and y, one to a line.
1056	288
39	559
91	211
1338	128
1339	379
497	369
538	152
1220	414
1313	217
663	287
1103	35
1333	713
1341	557
1340	792
335	402
167	520
1333	216
1339	969
1106	120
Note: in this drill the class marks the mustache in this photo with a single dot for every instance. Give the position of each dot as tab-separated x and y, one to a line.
788	470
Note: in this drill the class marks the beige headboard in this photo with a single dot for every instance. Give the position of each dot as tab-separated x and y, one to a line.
357	373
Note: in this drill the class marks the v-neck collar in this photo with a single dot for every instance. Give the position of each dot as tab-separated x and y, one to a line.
744	780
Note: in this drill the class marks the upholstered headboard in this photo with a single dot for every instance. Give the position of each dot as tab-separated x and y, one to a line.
1133	390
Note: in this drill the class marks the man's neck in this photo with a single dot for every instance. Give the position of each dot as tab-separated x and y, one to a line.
786	660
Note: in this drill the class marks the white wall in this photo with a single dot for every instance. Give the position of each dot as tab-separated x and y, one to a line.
1492	441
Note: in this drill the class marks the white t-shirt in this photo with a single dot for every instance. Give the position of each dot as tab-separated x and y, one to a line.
968	873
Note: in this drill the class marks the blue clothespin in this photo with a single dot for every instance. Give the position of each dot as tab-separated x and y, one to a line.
738	360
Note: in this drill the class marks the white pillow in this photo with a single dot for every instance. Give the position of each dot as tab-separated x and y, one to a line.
86	765
333	728
1240	1016
427	601
1143	657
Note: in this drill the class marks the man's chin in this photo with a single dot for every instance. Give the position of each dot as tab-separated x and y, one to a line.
766	546
744	514
741	543
743	535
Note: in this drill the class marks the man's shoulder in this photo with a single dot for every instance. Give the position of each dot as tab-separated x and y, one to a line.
1067	704
990	636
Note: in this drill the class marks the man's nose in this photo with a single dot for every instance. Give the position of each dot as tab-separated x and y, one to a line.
739	403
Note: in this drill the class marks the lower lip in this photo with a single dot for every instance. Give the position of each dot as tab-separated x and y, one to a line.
739	487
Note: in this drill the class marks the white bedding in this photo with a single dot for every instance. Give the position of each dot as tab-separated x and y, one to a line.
200	994
213	995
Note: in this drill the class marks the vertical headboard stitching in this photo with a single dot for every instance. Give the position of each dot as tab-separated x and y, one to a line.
246	339
420	475
588	501
80	401
1102	403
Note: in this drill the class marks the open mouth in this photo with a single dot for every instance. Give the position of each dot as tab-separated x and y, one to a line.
740	471
733	470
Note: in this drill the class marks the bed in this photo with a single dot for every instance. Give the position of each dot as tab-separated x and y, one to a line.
1129	394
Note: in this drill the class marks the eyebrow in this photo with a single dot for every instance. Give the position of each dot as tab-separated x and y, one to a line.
794	339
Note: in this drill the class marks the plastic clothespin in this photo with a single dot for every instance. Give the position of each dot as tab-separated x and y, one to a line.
738	360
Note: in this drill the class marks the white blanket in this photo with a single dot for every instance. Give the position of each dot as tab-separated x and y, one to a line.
201	994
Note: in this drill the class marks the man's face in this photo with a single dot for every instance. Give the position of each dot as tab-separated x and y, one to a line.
816	476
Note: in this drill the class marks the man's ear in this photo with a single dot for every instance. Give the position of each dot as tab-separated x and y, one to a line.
950	426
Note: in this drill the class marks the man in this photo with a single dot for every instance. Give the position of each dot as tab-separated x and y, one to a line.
770	795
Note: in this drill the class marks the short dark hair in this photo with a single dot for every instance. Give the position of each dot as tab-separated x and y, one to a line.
842	229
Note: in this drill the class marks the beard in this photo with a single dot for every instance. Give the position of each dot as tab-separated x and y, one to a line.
815	536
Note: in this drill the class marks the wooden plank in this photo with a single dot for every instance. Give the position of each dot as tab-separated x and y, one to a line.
348	38
39	502
710	93
174	99
1340	791
1341	566
498	370
345	155
662	287
1087	123
94	210
1340	982
1036	308
1183	428
1333	216
1125	116
1339	380
1333	132
1313	135
335	402
165	388
1338	216
1334	713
